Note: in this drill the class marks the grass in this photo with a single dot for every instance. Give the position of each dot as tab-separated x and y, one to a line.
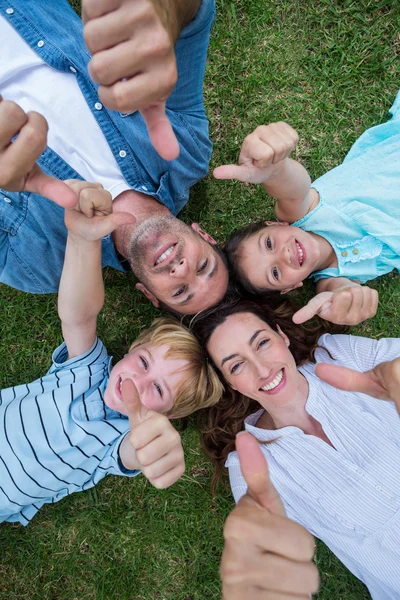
330	68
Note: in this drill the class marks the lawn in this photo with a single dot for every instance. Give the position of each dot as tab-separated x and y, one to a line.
330	68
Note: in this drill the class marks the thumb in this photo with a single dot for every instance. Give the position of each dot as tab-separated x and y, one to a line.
106	225
316	305
160	130
38	182
135	411
254	468
231	172
349	380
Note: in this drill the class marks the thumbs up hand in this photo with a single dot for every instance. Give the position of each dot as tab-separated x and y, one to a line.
382	382
265	555
153	445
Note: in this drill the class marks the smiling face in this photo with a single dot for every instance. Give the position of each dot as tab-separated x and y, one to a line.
177	265
279	257
156	378
255	360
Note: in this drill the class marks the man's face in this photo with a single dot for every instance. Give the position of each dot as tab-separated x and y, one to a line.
177	265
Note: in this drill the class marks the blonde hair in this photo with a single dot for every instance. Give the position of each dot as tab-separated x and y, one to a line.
200	386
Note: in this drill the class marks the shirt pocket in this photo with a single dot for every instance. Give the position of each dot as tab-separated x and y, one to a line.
13	210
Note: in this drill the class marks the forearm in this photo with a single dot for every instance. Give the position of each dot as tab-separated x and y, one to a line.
176	14
331	284
291	187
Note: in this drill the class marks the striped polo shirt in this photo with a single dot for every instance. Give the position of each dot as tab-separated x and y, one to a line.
56	434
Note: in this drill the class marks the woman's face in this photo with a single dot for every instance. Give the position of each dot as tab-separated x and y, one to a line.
155	377
255	360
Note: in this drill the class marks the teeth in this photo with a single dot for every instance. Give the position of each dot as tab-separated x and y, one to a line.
272	384
120	385
300	253
164	255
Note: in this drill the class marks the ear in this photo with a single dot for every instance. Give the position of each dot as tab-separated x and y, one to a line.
148	294
294	287
283	336
269	223
206	236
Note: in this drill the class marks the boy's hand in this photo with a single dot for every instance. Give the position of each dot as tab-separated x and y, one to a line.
265	555
349	305
18	169
262	155
382	382
153	444
92	217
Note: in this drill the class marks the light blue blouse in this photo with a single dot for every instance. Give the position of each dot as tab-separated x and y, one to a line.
359	208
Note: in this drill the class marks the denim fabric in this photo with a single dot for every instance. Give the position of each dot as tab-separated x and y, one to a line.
32	231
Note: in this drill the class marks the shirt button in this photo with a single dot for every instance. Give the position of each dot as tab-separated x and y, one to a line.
344	253
73	69
98	106
6	199
378	487
356	251
122	153
40	43
10	11
144	188
393	499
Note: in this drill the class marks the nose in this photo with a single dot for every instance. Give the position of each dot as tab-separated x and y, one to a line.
261	371
285	255
180	268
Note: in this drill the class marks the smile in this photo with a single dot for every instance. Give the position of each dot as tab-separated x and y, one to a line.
300	253
274	383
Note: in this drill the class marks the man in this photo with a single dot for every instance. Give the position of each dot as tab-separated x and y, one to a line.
43	71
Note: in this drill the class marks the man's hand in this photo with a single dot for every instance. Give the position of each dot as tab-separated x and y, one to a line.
265	555
349	305
262	155
153	444
18	169
132	43
92	217
382	382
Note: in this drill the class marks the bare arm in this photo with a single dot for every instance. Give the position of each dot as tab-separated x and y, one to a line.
330	284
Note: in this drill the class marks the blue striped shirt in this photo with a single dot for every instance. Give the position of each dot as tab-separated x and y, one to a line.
349	495
56	434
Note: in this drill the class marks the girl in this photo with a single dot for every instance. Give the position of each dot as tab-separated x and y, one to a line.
83	420
333	455
342	230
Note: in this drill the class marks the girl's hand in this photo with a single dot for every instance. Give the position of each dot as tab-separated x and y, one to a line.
382	382
265	555
262	155
153	445
92	217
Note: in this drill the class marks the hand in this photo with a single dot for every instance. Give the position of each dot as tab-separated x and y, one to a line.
134	62
92	217
18	168
262	155
382	382
349	305
153	444
265	555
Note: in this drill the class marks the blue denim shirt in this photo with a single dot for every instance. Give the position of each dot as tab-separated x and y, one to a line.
32	231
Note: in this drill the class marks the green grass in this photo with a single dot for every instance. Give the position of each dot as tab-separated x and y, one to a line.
330	68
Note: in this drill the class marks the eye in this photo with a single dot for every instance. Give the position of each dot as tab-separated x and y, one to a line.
179	292
144	363
159	390
275	274
234	368
263	343
268	243
203	266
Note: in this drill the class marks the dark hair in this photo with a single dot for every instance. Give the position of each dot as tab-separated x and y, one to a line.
232	249
219	424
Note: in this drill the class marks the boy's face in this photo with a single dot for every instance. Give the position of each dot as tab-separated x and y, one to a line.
156	378
279	257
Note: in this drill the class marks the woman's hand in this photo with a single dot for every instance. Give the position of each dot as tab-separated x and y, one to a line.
92	217
153	445
382	382
265	555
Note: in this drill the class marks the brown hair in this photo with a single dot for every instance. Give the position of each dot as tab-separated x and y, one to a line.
200	386
219	424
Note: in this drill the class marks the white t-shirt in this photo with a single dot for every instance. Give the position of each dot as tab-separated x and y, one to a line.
73	131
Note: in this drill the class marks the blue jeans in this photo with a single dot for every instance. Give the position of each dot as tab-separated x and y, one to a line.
32	231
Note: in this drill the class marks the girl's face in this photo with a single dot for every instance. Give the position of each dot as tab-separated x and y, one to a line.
255	360
155	377
279	257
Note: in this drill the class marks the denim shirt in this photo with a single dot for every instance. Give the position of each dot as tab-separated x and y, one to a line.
35	265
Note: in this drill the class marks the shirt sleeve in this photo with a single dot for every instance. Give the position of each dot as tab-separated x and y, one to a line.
236	479
111	463
96	355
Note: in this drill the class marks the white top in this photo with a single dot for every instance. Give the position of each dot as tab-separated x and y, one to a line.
349	495
73	131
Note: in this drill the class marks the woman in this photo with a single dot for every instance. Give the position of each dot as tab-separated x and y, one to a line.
333	455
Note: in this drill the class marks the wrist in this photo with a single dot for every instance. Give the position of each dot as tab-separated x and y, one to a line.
127	455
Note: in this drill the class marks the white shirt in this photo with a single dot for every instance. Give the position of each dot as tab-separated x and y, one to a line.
73	131
349	495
